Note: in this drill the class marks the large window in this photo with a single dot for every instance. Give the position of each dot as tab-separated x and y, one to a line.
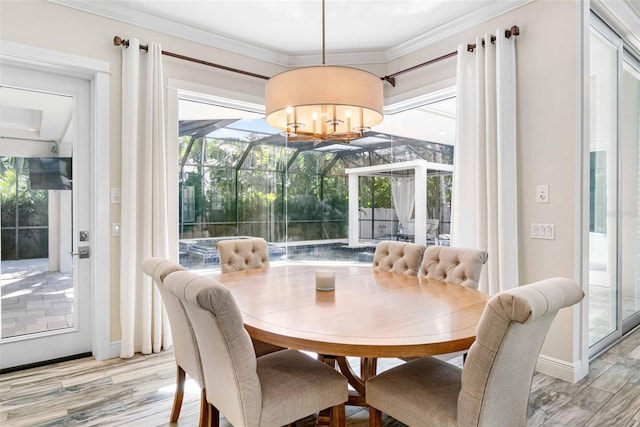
240	177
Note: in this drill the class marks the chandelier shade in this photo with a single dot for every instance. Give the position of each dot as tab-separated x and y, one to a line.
323	103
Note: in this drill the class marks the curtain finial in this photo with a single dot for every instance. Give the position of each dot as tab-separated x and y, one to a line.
119	41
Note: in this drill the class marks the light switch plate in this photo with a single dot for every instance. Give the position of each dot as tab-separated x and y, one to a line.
543	231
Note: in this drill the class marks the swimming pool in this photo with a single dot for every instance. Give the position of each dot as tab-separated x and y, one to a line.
202	253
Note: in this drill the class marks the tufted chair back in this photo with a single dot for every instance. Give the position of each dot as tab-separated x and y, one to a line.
243	254
272	390
493	387
398	257
460	266
496	379
185	347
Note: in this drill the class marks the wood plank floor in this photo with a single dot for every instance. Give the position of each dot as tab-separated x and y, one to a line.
139	391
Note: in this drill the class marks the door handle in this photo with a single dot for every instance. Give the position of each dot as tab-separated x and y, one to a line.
83	252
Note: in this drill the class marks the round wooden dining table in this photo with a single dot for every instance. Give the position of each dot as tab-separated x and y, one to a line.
370	314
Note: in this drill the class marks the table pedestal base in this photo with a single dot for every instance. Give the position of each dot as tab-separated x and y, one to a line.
368	368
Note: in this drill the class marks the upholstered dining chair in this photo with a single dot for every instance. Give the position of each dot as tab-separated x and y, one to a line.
450	264
493	387
243	254
398	257
272	390
246	254
185	347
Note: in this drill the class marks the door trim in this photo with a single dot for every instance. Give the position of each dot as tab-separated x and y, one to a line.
98	74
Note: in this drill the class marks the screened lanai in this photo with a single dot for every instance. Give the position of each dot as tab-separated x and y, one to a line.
240	177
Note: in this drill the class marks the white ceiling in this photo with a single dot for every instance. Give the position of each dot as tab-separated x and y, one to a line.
289	32
32	123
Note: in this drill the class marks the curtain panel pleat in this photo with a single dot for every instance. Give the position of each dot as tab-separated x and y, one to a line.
484	208
144	209
403	193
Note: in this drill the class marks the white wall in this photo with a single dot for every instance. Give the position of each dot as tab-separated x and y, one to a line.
549	97
549	94
46	25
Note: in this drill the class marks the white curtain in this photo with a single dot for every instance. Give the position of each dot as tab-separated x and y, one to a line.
484	208
403	193
144	223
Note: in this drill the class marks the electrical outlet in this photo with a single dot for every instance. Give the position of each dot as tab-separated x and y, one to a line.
542	193
115	195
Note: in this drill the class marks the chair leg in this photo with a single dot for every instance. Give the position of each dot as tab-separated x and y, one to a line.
375	417
179	394
214	416
204	409
338	418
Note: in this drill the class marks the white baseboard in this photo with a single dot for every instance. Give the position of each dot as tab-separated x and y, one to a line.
571	372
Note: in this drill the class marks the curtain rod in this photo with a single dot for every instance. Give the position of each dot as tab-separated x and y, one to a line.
118	41
391	78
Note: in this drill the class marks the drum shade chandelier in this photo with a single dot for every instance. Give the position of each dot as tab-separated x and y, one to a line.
324	103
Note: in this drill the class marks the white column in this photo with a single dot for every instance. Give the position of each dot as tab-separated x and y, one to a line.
421	205
354	218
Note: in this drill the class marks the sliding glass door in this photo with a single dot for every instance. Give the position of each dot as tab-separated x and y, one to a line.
614	178
630	193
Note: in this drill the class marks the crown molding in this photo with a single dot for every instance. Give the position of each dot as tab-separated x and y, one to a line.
339	58
113	9
117	10
454	27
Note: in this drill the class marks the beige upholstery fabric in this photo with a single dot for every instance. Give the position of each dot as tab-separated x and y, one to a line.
185	349
184	344
246	254
398	257
460	266
272	390
493	388
243	254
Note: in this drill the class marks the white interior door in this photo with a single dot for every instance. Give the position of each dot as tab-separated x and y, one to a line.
46	286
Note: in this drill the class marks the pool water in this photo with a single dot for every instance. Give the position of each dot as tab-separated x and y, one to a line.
202	253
